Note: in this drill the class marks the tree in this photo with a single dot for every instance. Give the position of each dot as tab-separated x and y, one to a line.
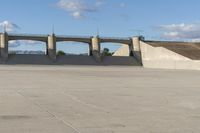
60	53
106	52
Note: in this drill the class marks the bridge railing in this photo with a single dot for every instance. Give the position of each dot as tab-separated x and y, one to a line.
116	38
27	35
68	36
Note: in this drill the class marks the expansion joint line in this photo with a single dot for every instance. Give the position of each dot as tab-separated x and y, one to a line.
50	113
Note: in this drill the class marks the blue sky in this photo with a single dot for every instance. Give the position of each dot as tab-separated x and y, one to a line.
157	19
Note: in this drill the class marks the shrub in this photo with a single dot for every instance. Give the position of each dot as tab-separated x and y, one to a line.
60	53
106	52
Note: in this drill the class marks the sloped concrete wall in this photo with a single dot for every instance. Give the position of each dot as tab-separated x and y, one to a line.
122	51
159	57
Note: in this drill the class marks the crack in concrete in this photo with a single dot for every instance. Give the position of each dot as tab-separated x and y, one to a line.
68	124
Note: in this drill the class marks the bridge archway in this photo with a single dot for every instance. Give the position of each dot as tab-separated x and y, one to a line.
73	48
26	46
115	49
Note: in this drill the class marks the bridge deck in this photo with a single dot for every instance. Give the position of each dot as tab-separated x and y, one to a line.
42	38
83	39
115	40
59	38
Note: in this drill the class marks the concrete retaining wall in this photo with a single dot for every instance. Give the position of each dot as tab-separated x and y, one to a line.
159	57
120	60
122	51
68	60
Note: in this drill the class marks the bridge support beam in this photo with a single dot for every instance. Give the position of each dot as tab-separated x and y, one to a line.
135	48
51	47
95	45
4	46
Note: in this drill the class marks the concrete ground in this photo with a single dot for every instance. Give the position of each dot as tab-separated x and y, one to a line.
92	99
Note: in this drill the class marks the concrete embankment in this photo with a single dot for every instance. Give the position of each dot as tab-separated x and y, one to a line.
170	55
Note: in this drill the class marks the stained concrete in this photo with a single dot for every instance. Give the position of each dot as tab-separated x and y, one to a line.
69	60
91	99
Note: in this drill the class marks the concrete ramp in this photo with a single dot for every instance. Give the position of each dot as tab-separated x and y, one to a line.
120	60
170	55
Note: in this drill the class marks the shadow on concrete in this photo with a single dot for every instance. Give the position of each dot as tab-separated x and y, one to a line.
69	60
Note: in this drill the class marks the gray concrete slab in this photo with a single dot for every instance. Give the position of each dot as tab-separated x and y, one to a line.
97	99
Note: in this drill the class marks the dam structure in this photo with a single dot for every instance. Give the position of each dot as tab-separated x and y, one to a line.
135	51
93	42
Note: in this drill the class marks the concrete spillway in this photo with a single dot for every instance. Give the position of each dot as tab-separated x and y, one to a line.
189	50
170	55
135	52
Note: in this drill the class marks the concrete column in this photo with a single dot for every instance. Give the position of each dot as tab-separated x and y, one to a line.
131	50
4	46
135	48
0	42
46	48
90	49
96	44
52	47
96	48
136	43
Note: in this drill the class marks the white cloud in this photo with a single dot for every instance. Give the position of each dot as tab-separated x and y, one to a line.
17	43
99	3
14	43
8	26
180	31
79	8
195	40
12	27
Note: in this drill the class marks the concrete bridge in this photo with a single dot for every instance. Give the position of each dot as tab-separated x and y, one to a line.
94	43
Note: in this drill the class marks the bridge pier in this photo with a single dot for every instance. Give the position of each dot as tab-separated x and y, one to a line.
135	48
90	49
51	47
4	46
95	45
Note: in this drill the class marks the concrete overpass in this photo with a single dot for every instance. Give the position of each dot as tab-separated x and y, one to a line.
94	43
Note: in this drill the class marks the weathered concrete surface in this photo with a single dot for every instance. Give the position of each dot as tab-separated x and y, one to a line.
122	51
72	99
161	57
190	50
120	60
69	60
